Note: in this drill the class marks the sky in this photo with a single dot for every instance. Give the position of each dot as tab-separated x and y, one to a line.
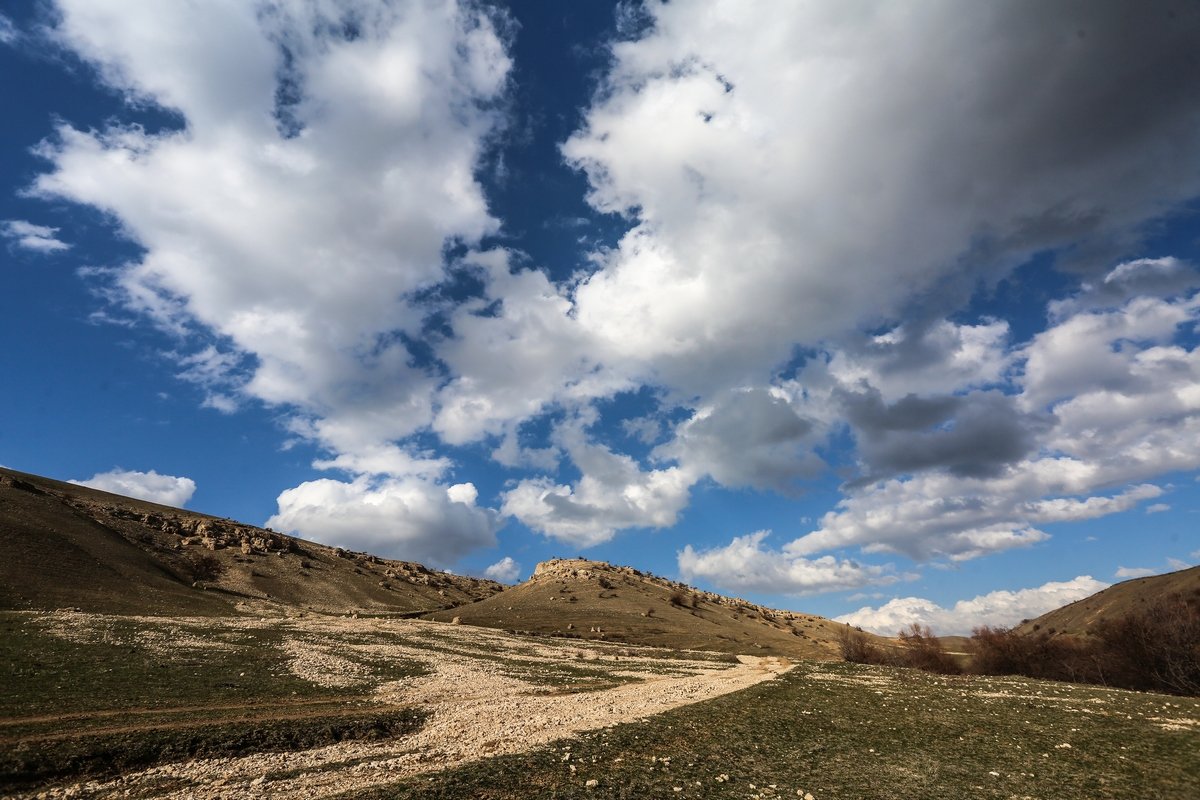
881	311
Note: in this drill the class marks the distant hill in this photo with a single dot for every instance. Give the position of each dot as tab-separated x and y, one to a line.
63	545
596	600
1117	600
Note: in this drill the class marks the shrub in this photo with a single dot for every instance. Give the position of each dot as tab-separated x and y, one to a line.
205	567
1003	651
1156	648
922	650
678	598
858	649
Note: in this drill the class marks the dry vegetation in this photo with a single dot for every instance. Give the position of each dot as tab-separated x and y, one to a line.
1155	647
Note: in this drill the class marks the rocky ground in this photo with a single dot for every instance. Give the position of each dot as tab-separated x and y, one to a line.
486	693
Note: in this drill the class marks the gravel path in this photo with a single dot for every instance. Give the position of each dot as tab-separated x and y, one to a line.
477	709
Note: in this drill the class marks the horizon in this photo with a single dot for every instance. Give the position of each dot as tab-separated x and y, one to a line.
886	314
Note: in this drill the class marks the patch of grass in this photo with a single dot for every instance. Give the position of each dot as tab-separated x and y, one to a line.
124	693
846	731
118	670
111	753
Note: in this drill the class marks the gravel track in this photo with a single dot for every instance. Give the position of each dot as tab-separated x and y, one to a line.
478	708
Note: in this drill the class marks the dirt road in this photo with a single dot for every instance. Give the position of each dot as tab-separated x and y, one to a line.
478	701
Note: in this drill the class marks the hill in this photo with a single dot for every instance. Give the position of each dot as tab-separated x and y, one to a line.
599	601
1118	600
63	545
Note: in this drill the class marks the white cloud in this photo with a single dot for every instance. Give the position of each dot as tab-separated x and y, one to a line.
858	165
1113	403
316	180
744	565
506	570
38	238
932	359
996	609
790	187
297	231
1157	508
613	493
168	490
1134	572
1171	565
936	514
403	518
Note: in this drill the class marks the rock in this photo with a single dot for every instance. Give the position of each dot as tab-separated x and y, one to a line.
591	783
456	621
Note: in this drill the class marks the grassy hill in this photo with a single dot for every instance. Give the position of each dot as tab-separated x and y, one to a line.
63	545
1118	600
599	601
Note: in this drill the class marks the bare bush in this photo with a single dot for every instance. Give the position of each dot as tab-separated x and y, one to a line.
1156	648
858	649
205	567
922	650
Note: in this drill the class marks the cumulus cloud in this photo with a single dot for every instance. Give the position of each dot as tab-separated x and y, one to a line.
168	490
1105	400
326	158
929	358
402	518
506	570
38	238
1154	277
745	565
1158	508
996	609
859	165
613	493
777	154
940	515
973	435
746	437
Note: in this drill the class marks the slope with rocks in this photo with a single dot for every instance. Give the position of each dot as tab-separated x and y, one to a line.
1117	600
596	600
63	545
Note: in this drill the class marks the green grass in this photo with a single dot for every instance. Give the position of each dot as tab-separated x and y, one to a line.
111	753
114	701
849	731
44	672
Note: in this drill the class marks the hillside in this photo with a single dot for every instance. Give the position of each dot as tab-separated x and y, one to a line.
63	545
599	601
1116	601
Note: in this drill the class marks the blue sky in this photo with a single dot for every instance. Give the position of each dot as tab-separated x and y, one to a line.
882	311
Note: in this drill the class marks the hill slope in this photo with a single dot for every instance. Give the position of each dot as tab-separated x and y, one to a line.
67	545
595	600
1116	601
